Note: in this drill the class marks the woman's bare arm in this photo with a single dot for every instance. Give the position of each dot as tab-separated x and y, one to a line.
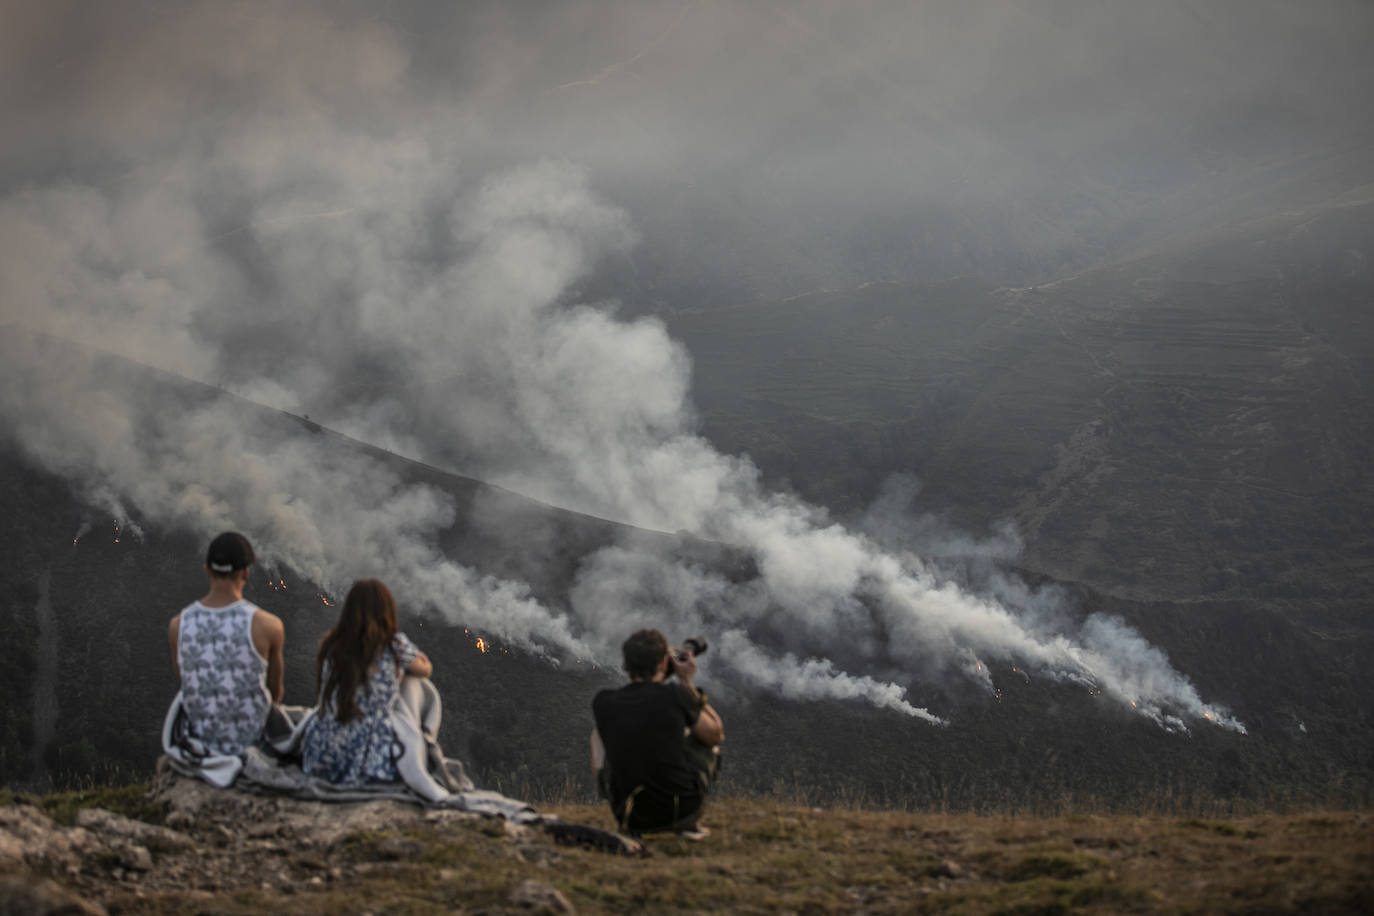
420	667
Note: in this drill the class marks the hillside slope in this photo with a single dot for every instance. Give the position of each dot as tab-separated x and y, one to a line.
1181	441
1191	423
521	723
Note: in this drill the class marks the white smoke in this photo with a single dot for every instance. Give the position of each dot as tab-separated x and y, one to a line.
81	531
814	678
361	277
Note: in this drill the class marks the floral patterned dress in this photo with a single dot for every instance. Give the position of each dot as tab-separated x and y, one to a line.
360	750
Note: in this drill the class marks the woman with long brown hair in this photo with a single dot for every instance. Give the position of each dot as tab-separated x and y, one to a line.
358	671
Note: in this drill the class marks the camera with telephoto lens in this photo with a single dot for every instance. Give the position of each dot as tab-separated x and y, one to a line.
697	644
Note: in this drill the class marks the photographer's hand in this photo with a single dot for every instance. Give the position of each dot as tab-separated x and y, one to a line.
684	665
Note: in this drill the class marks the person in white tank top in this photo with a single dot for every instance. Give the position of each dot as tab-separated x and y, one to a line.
227	652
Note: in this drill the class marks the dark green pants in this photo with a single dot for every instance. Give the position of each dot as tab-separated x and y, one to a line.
646	811
704	761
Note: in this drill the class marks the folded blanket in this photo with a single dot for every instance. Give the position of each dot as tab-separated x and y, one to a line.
427	776
261	772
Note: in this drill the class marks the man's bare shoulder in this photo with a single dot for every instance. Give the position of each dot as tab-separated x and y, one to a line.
267	622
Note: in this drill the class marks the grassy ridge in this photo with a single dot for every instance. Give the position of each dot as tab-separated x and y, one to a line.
766	856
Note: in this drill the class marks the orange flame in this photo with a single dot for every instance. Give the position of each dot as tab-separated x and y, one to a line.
481	645
325	601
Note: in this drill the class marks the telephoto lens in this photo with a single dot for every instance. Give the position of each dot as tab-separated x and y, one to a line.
697	644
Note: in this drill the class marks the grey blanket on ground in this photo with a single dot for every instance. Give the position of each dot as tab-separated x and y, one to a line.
427	776
265	774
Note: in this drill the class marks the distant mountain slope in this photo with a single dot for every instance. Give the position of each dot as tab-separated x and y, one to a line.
1181	438
1193	422
85	600
522	723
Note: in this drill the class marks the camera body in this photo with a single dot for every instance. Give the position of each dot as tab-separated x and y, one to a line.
697	644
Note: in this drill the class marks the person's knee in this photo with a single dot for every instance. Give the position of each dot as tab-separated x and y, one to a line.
413	693
421	701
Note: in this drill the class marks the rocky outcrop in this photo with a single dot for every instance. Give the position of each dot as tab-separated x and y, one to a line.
34	851
531	895
32	896
29	840
267	849
229	818
215	841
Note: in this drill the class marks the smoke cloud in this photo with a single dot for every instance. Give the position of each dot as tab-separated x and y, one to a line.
338	214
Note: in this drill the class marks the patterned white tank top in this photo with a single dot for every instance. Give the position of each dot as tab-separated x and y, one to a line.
223	678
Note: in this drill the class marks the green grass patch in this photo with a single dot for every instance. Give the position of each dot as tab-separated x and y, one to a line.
1220	827
1033	897
131	801
1052	865
363	845
773	857
915	865
1114	896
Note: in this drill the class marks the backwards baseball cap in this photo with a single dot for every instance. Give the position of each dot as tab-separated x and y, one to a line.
228	553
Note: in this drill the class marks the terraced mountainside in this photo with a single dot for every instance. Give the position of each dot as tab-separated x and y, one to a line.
1195	422
1180	440
88	681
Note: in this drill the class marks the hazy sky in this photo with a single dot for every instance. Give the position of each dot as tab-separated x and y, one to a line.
757	145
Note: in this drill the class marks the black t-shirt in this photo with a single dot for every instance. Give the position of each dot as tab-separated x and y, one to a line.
642	726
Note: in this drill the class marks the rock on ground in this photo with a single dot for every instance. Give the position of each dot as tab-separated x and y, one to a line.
532	895
33	896
225	816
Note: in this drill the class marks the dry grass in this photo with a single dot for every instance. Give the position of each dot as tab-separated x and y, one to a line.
767	857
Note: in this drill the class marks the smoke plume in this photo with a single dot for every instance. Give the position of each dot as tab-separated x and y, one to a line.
291	221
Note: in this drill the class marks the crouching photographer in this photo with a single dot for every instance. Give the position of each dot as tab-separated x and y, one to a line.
656	745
